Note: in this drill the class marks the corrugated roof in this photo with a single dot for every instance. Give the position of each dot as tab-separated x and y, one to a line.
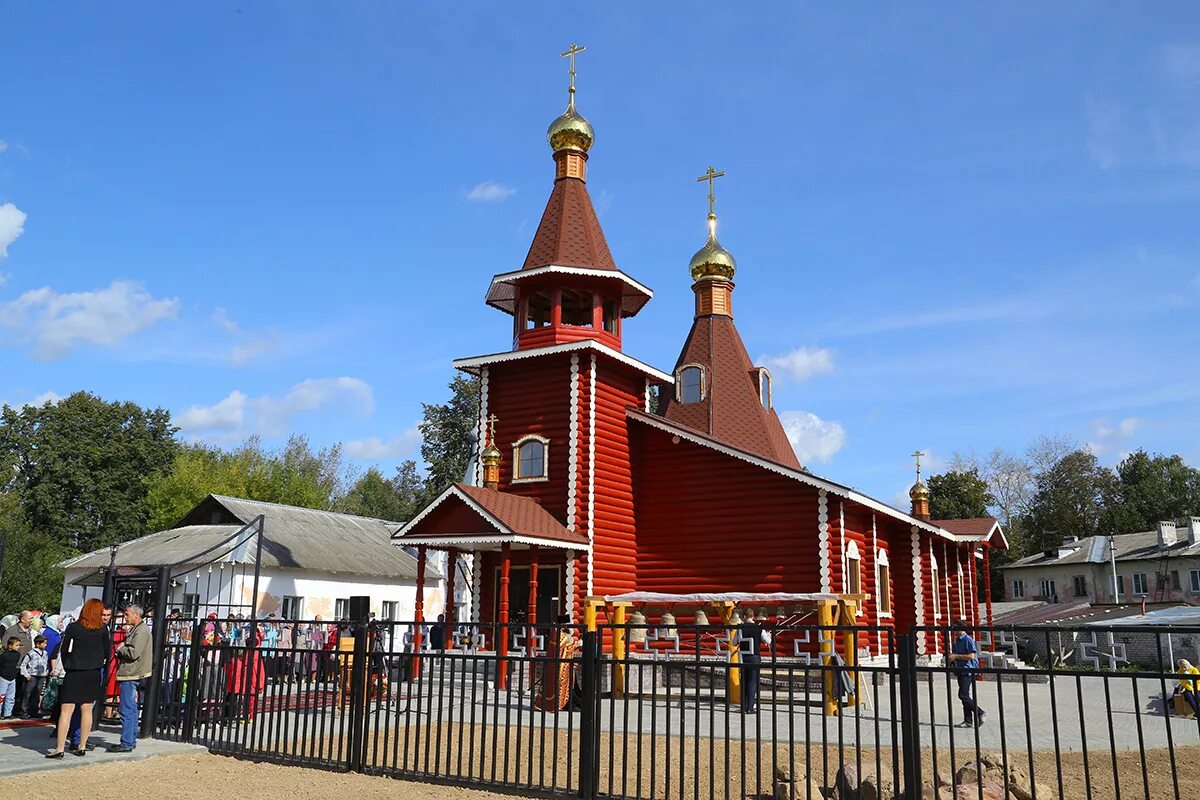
294	538
1095	550
1043	613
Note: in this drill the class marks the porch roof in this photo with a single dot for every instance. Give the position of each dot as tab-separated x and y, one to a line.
476	518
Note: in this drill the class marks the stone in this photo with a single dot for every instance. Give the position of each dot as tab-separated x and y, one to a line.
876	788
846	786
801	788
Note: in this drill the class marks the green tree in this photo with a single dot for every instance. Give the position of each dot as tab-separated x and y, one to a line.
373	495
446	431
1148	489
959	494
293	476
1069	500
80	467
30	579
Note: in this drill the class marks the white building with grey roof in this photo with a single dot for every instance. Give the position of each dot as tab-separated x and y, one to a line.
1159	566
313	562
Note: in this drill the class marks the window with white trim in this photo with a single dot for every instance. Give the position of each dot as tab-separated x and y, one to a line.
937	587
1194	579
883	583
531	461
341	608
690	382
854	573
764	387
389	611
1018	589
1049	591
1140	584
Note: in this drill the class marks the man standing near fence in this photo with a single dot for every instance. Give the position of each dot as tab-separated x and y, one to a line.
964	659
134	657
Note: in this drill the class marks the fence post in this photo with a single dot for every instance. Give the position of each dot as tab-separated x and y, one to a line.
360	612
910	725
588	745
150	699
194	680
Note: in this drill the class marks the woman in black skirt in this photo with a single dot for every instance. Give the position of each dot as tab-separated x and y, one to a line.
84	648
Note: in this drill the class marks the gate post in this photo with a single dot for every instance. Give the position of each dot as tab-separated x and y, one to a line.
589	747
194	680
360	612
150	700
910	724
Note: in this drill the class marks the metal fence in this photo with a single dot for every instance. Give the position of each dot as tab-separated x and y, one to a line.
684	713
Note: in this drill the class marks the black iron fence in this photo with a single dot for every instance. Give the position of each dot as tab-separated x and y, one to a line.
692	712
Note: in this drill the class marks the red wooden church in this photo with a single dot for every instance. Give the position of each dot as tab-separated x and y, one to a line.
586	488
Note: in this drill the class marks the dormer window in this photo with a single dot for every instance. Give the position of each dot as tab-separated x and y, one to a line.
689	383
764	387
531	459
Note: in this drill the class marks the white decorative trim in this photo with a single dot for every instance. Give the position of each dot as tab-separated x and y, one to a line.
476	585
935	580
505	535
569	582
795	474
962	598
591	500
885	592
489	538
476	362
573	443
948	609
646	398
483	417
842	542
516	455
918	589
679	382
823	555
971	585
500	293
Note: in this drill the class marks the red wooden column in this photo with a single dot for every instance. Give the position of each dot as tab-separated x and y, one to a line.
452	565
987	583
419	611
502	630
530	643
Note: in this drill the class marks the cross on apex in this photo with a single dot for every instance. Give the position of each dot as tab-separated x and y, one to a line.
711	175
571	52
918	455
492	420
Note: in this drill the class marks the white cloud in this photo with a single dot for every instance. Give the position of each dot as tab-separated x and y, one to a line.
490	192
237	415
374	448
251	344
12	225
55	322
813	438
1107	435
800	364
46	397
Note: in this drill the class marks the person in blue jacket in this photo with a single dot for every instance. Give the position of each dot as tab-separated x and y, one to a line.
964	660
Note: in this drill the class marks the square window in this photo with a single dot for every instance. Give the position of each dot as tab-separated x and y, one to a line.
1194	576
1079	584
1049	591
341	608
1140	585
1018	590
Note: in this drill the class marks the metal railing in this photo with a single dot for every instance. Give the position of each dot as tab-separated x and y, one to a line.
694	713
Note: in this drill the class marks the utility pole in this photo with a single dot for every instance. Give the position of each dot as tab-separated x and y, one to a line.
1112	554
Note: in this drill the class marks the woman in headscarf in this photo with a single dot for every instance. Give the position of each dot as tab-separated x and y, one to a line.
1187	686
85	646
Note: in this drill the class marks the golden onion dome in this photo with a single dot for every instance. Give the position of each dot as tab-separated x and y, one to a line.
571	131
919	491
712	261
491	454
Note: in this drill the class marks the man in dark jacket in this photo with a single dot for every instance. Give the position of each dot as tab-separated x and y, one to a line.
752	636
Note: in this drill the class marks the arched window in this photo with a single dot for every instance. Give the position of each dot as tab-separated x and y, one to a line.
883	583
937	586
531	460
854	574
689	383
764	387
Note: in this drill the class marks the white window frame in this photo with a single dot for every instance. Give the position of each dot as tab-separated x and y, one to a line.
1049	583
1142	579
516	450
883	581
1018	589
937	585
341	609
679	383
762	373
962	600
389	610
298	612
854	569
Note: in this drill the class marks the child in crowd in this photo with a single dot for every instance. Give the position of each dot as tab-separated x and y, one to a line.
35	666
10	669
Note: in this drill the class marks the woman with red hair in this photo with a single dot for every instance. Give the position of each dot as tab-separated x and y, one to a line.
84	648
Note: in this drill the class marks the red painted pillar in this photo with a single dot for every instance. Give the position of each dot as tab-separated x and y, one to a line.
419	611
502	630
452	565
530	643
987	583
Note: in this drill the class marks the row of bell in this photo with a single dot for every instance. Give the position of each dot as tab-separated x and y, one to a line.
667	623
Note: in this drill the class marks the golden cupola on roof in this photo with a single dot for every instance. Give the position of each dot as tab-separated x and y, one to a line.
571	130
712	261
919	491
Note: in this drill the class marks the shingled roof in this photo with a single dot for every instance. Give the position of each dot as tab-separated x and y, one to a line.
731	410
569	234
475	515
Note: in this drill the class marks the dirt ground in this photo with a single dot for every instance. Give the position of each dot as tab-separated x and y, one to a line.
181	776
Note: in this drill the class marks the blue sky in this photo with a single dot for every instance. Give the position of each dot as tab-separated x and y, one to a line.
957	227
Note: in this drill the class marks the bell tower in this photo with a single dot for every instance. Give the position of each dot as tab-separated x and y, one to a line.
569	287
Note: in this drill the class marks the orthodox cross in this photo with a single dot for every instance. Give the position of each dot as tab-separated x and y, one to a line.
492	429
710	176
917	455
571	51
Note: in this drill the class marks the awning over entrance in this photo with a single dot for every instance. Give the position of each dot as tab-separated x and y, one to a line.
475	518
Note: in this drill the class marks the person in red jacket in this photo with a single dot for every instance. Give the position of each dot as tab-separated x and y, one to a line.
242	691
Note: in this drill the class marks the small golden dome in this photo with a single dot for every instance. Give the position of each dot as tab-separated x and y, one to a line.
712	262
919	491
571	131
491	454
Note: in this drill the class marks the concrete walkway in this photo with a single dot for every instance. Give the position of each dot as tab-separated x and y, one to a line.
22	749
